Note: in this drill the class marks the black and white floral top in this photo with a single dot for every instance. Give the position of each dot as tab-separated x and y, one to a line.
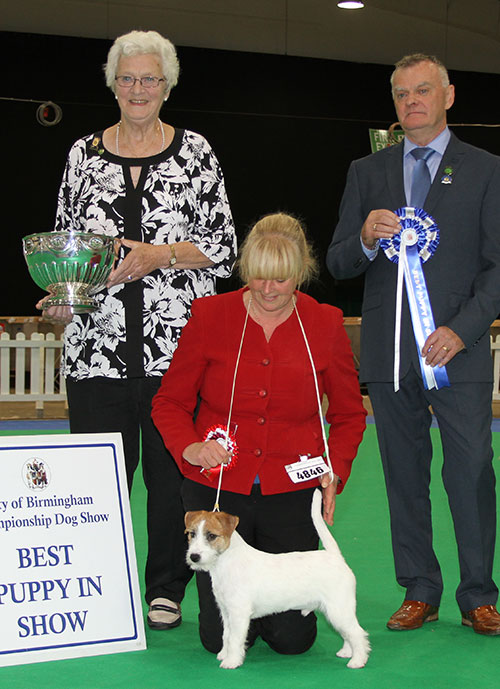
180	196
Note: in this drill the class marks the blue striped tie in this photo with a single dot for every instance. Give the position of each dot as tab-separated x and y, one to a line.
421	180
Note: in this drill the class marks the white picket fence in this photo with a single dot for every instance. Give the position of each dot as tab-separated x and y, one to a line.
29	369
495	352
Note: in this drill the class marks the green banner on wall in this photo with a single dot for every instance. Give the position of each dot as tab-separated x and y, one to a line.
382	138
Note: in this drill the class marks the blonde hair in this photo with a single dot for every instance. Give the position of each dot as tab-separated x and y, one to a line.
276	248
143	43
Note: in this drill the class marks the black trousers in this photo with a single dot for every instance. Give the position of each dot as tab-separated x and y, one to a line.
272	523
403	419
100	405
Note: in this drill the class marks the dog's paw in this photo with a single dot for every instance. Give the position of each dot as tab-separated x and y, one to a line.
345	651
356	663
230	663
221	654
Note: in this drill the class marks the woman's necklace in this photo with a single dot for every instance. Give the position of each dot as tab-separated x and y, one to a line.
283	316
270	326
117	146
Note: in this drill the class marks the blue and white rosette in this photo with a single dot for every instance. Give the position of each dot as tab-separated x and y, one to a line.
413	245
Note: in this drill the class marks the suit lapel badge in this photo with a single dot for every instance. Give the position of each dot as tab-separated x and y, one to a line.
447	178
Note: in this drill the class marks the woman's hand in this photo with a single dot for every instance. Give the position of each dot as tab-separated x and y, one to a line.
55	314
206	455
329	489
141	260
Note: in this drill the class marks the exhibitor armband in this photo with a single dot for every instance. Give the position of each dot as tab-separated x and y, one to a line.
306	469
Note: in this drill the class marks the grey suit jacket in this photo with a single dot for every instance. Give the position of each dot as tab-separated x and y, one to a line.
463	276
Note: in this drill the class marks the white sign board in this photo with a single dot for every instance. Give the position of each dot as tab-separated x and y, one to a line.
68	573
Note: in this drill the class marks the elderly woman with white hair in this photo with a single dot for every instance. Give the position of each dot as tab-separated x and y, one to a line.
160	192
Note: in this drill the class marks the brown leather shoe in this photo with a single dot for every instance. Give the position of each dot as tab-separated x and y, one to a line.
411	615
483	620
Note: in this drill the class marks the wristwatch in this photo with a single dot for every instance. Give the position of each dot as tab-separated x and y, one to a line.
173	257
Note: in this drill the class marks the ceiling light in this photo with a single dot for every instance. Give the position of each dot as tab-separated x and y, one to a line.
351	4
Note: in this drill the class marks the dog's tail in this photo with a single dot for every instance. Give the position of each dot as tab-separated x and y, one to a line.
329	543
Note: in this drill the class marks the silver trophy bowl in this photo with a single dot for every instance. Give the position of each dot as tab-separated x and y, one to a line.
71	266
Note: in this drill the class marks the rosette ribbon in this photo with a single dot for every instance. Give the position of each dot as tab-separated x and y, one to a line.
225	438
410	248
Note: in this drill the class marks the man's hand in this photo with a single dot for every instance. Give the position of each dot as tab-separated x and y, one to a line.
380	224
441	346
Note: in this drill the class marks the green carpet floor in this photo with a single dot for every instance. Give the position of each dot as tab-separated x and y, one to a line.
441	655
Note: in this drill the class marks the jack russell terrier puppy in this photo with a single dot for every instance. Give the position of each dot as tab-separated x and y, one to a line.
248	583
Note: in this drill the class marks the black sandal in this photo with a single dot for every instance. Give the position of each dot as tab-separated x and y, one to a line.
155	624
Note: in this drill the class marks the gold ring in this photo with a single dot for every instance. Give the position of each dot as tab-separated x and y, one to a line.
375	226
445	348
129	277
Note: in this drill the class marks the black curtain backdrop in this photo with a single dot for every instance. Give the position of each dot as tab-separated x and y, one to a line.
284	129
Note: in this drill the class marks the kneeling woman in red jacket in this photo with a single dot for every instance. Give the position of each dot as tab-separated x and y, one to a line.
255	365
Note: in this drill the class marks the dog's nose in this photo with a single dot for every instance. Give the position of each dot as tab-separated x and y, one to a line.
195	557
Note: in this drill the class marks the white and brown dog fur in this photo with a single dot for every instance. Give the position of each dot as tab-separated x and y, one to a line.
248	583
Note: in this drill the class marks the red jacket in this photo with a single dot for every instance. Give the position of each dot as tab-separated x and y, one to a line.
275	408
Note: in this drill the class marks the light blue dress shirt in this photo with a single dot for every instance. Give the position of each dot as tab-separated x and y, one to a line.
439	145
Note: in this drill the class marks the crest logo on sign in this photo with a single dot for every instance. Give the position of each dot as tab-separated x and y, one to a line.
36	474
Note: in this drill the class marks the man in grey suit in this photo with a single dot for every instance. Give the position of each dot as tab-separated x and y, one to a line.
463	282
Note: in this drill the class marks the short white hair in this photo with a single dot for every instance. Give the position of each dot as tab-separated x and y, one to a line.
143	43
416	59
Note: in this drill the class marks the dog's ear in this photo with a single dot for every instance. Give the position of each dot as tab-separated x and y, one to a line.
230	521
188	519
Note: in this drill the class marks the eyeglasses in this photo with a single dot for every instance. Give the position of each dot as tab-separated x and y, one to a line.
127	81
